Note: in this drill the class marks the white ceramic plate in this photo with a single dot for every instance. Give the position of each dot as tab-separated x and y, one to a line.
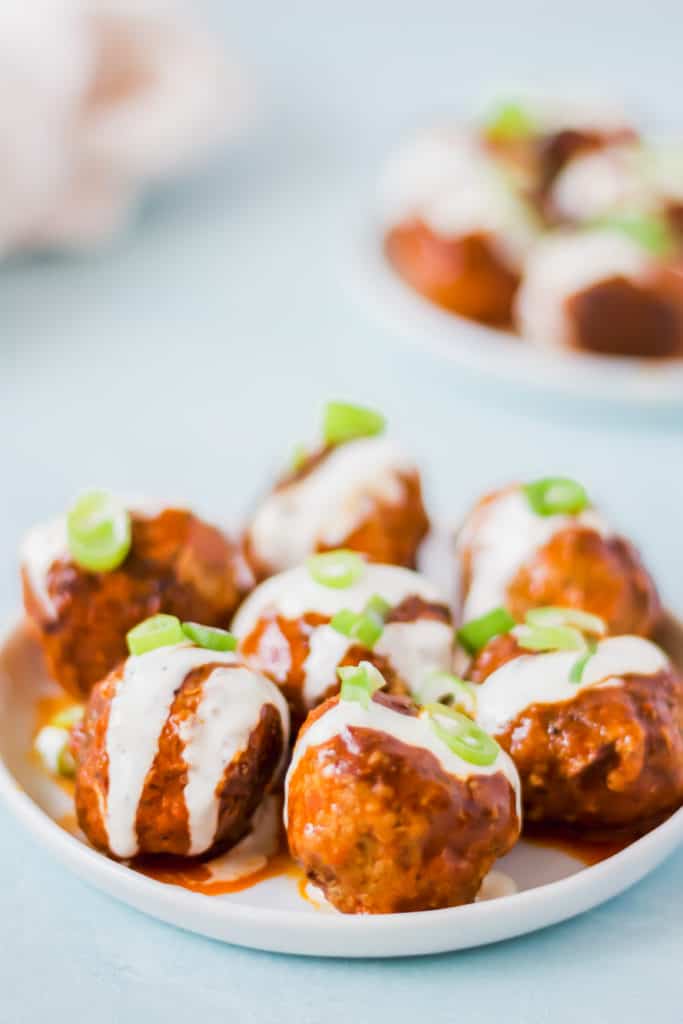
499	354
273	915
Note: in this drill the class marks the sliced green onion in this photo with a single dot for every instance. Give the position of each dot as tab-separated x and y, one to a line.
338	569
510	121
343	422
463	736
475	634
649	232
157	631
98	532
376	605
359	682
344	621
549	638
52	746
68	717
211	637
555	495
576	674
362	626
583	621
445	688
299	457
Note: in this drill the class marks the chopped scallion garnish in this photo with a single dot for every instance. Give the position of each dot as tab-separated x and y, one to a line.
445	688
583	621
338	569
576	674
359	682
344	422
549	638
157	631
461	735
556	495
475	634
210	637
98	532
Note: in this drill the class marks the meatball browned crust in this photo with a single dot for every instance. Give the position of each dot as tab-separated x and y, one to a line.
177	564
576	563
611	757
463	275
162	823
578	568
389	531
381	827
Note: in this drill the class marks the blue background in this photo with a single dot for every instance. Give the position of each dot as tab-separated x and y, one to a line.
185	359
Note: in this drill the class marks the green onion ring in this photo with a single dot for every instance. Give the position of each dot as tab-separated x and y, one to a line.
552	616
556	495
578	668
549	638
475	634
210	637
442	687
344	422
463	736
157	631
337	569
98	532
359	682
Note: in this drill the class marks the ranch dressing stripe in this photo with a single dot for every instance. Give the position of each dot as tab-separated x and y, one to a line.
330	502
544	678
217	733
139	709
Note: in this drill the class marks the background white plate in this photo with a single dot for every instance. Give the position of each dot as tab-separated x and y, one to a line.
272	915
499	354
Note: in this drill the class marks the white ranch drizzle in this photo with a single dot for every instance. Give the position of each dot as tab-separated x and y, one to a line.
412	647
502	536
544	678
414	731
595	183
565	264
217	733
445	178
139	709
44	544
329	503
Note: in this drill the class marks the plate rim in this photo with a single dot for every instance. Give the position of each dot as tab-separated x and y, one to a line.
525	911
502	357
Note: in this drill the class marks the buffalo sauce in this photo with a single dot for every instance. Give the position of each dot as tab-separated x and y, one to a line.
199	877
587	849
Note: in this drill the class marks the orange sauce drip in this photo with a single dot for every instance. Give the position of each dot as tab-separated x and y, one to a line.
588	851
198	877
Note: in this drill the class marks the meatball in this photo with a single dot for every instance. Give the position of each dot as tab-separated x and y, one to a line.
602	292
286	632
603	753
510	555
385	817
175	752
177	563
455	230
364	495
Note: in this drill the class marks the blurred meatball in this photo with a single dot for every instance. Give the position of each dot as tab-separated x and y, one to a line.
385	818
364	495
601	292
285	632
454	227
175	753
177	564
605	752
510	555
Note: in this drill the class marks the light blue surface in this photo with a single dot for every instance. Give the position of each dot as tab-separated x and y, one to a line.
185	360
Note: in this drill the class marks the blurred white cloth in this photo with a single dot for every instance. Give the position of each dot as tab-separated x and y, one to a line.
97	99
